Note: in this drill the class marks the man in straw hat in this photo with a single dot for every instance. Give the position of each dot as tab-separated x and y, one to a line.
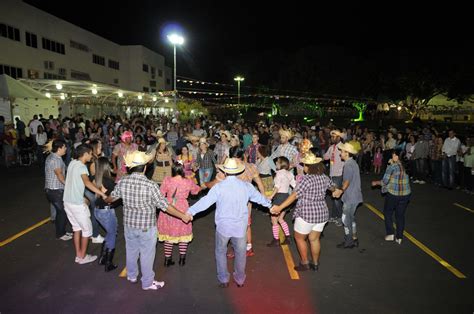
285	149
351	194
231	197
140	198
311	211
336	164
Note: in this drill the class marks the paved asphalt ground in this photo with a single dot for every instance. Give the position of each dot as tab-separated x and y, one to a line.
38	273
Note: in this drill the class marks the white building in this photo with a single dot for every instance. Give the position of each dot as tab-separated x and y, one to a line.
35	44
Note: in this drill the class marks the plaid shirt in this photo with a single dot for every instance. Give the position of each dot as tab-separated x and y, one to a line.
396	181
287	150
140	198
221	151
51	180
311	192
251	153
207	161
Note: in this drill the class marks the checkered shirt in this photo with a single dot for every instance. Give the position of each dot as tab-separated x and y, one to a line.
289	151
251	153
51	180
140	198
396	181
207	161
221	150
311	205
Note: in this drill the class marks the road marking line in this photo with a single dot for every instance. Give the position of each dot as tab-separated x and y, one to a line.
290	264
463	207
423	247
123	273
16	236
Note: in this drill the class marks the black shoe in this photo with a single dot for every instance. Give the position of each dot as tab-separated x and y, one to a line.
302	267
274	243
239	286
101	259
356	242
109	257
224	285
168	261
287	240
182	259
314	267
344	246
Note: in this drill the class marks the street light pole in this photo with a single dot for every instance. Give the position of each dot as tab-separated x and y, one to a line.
175	40
238	79
174	75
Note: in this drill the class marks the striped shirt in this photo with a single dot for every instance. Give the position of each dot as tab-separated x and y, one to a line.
140	198
396	181
52	163
286	150
311	205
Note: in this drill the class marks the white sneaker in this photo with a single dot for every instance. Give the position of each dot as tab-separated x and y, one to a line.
155	285
98	239
132	280
421	182
389	237
66	237
87	259
70	234
399	241
416	181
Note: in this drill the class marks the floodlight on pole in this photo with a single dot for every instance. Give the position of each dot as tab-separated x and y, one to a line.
175	39
238	79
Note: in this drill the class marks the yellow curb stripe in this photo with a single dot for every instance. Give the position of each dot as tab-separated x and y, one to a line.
290	264
423	247
463	207
123	273
16	236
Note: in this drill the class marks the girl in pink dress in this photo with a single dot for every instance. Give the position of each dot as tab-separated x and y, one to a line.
119	152
186	158
378	160
176	189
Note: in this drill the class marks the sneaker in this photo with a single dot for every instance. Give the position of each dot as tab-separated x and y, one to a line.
98	239
389	237
250	252
421	182
66	237
332	219
416	181
132	280
399	241
338	223
87	259
155	285
70	234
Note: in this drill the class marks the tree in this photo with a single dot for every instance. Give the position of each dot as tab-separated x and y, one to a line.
361	107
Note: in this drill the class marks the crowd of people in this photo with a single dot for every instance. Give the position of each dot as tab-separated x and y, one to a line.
147	162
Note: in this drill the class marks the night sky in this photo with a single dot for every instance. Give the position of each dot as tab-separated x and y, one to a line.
224	37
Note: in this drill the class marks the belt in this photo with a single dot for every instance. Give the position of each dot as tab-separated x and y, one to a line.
105	207
163	163
265	175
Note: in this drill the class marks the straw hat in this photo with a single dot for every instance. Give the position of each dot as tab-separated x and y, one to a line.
232	166
348	147
310	159
203	140
137	158
161	140
192	138
356	145
158	133
227	134
287	133
337	133
305	146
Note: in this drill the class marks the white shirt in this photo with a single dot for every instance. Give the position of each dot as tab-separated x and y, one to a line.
451	146
41	139
34	126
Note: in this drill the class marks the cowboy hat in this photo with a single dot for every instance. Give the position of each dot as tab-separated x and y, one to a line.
137	158
287	133
310	159
232	166
162	140
348	147
337	133
227	134
203	140
190	137
158	133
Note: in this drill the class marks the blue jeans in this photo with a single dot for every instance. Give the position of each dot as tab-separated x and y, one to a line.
55	198
397	204
240	260
108	220
449	166
95	225
141	243
336	211
348	219
205	175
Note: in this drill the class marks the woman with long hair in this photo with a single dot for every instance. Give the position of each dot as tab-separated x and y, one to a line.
163	161
105	213
172	230
120	150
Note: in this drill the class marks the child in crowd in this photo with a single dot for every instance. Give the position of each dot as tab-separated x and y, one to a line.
378	157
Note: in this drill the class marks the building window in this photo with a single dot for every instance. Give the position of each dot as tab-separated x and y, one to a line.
31	40
11	32
11	71
53	46
116	81
152	83
114	64
145	68
33	74
153	90
62	71
168	81
80	75
52	76
160	73
49	65
78	46
146	89
98	60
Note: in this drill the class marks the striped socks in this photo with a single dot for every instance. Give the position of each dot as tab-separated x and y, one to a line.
183	247
285	228
275	230
168	249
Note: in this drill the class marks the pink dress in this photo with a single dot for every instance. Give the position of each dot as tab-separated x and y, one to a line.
378	159
176	190
121	150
